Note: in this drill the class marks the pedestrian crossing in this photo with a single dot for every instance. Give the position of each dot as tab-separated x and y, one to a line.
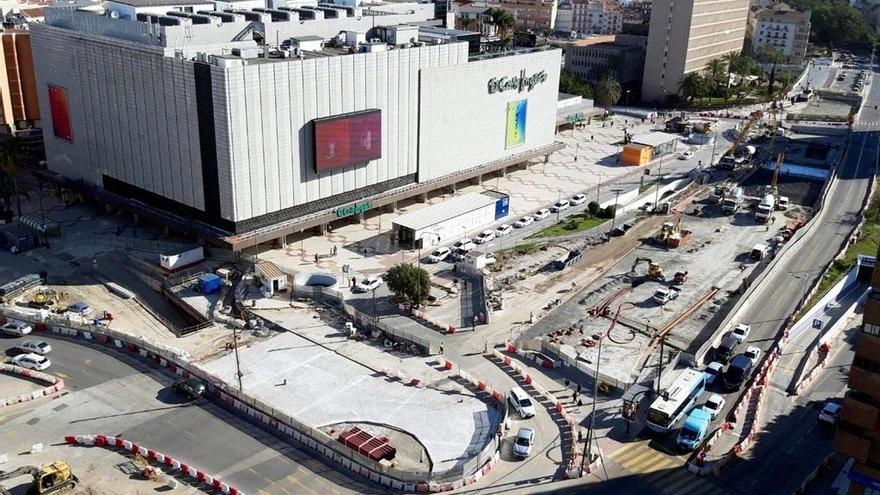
667	473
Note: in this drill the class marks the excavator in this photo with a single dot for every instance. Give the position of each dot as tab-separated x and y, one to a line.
48	479
655	271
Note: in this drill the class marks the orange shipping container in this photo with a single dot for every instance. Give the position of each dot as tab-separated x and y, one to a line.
636	154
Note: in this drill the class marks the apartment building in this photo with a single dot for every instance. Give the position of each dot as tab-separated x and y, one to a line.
858	427
783	28
531	14
19	108
596	16
591	58
684	36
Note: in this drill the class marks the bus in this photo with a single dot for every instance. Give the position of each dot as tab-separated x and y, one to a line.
678	400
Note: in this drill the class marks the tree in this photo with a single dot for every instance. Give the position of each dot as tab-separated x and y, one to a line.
836	23
608	92
411	284
593	208
771	55
11	167
716	70
503	22
467	24
692	86
571	84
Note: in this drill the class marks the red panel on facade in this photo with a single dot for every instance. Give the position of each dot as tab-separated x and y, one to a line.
60	113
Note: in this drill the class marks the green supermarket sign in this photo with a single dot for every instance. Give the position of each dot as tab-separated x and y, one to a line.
353	209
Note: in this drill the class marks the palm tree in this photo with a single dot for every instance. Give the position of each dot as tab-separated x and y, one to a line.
608	92
716	70
733	61
10	165
467	23
692	85
503	22
771	55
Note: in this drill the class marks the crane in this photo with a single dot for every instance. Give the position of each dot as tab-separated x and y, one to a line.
753	117
772	189
48	479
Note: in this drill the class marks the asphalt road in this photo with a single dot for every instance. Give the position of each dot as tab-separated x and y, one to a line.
113	394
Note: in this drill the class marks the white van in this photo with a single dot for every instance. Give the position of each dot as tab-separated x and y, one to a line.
521	402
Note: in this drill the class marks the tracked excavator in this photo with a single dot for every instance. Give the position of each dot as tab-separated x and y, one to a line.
48	479
655	271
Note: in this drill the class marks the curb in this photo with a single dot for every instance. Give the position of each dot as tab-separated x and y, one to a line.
56	384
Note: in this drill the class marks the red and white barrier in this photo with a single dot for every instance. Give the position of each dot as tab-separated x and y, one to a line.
403	378
55	384
167	462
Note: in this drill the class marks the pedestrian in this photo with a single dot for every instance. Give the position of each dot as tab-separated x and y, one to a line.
365	252
591	137
441	349
579	388
353	281
316	258
574	285
531	317
476	320
574	396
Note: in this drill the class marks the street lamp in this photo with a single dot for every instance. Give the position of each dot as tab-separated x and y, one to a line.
614	215
627	98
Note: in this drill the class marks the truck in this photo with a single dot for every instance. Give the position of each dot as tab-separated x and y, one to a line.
181	260
731	203
727	162
664	295
694	429
765	208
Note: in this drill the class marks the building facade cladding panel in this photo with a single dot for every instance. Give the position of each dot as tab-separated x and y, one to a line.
267	164
461	107
860	414
667	48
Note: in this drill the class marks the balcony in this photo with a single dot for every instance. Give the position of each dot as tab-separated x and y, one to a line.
851	445
859	413
864	381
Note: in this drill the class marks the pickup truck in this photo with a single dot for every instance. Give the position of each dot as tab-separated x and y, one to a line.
663	295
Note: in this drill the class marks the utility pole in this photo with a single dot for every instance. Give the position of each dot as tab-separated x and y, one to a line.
588	447
237	358
614	216
660	363
657	193
714	144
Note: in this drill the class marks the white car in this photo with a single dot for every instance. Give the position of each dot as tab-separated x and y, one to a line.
525	438
714	405
830	412
523	222
503	230
460	253
31	361
686	155
368	283
578	199
541	214
560	205
439	255
17	328
464	244
35	346
490	258
484	237
741	332
754	353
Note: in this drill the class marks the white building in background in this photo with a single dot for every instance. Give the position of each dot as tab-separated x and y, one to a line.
783	28
176	111
596	16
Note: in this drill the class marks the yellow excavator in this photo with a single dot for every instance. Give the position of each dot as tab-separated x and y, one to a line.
655	271
48	479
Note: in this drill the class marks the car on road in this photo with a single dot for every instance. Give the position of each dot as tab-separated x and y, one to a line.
490	258
525	438
578	199
741	332
521	402
694	429
368	283
484	237
713	371
686	154
464	244
35	346
503	230
830	412
560	205
460	253
191	388
17	328
714	405
541	214
80	308
738	371
439	255
523	222
753	352
31	361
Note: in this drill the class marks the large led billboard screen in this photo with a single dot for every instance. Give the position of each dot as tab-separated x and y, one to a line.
347	139
60	113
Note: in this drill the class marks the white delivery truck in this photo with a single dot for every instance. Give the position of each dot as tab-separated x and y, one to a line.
765	208
731	203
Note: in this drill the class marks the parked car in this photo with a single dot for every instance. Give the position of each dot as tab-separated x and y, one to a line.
460	253
523	222
830	412
753	352
560	205
484	237
714	405
525	438
32	361
439	255
503	230
464	244
368	283
35	346
490	258
686	154
541	214
578	199
191	388
713	371
17	328
741	332
80	308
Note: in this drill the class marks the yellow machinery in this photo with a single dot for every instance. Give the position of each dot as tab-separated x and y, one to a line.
655	271
754	117
45	296
48	479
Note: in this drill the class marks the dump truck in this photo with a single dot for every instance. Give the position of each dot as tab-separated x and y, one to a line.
765	208
732	202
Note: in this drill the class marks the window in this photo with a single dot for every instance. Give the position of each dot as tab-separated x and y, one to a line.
871	329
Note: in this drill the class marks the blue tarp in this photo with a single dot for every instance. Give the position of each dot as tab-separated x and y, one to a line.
210	284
